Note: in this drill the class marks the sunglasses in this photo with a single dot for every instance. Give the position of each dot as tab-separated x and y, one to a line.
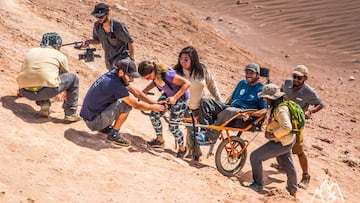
100	17
185	60
298	77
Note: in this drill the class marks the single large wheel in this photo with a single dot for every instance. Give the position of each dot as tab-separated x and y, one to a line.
226	163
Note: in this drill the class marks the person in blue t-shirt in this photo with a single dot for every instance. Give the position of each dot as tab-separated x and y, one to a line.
245	96
108	101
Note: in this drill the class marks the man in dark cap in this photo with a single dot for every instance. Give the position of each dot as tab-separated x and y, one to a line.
45	74
113	36
107	103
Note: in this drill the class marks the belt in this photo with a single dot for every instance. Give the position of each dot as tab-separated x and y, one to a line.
34	89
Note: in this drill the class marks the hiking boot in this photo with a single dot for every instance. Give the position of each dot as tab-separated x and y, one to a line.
255	186
115	136
72	118
155	143
44	110
291	192
305	179
195	161
181	154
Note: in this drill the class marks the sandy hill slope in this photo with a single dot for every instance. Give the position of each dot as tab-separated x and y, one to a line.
47	160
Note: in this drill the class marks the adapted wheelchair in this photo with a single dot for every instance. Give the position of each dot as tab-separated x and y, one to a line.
231	153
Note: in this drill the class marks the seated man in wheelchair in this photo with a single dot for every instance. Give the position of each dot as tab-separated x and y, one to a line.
244	97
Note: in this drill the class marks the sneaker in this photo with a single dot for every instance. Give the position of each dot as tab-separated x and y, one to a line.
195	161
72	118
155	143
181	154
305	179
106	130
291	192
115	136
255	186
44	110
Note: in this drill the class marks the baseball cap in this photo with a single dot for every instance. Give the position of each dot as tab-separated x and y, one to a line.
301	70
100	10
253	67
128	66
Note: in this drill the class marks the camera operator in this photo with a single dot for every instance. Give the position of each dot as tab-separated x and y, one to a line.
113	36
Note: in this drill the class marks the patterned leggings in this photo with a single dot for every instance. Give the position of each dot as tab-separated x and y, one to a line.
177	112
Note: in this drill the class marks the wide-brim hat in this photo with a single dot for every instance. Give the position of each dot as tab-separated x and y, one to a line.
51	39
271	91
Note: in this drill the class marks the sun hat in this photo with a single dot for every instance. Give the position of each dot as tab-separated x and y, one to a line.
271	91
100	10
51	39
128	66
253	67
301	70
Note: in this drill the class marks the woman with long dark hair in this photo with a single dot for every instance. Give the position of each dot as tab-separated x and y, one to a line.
190	67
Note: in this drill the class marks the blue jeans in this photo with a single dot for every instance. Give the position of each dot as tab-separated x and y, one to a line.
69	84
269	150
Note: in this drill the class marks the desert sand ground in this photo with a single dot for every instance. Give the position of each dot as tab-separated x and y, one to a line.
47	160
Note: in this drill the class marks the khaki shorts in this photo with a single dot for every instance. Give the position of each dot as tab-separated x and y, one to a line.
298	147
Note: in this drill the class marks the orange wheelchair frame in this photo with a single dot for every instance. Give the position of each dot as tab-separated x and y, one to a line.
231	153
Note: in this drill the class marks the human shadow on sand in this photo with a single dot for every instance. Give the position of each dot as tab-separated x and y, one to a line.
98	141
26	112
245	178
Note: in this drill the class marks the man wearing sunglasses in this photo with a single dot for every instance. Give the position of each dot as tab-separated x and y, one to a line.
108	102
113	36
298	90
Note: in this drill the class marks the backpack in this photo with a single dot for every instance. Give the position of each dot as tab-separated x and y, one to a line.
296	113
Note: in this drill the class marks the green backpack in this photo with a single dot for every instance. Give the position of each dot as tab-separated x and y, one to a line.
297	115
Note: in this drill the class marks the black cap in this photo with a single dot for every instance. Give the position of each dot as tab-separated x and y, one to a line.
100	10
128	66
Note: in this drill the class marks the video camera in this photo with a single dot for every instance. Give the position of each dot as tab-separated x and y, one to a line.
88	55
